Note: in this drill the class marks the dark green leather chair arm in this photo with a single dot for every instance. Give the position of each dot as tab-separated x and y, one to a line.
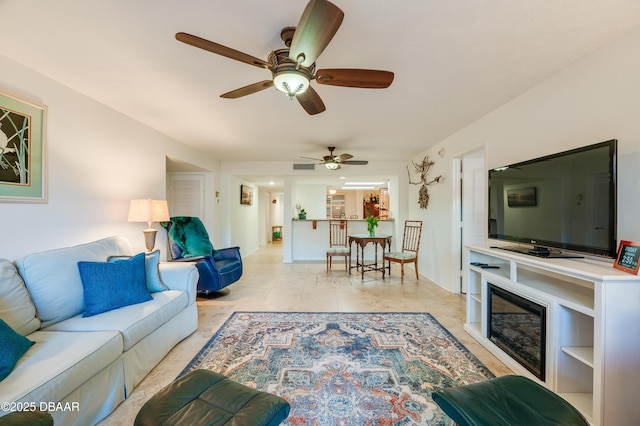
507	401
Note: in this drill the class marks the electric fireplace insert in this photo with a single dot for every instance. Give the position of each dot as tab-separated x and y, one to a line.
518	327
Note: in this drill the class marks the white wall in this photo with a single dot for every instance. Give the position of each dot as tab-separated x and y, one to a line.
97	160
596	99
313	199
246	226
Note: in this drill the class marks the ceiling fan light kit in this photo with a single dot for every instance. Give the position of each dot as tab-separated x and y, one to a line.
289	77
332	165
293	68
291	83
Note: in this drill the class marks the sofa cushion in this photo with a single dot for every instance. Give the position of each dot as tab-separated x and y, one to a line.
53	279
16	307
59	363
133	322
112	285
13	346
152	262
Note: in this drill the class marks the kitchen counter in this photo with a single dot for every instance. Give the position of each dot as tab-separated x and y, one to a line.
310	237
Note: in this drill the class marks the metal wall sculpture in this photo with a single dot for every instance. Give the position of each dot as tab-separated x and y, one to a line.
422	169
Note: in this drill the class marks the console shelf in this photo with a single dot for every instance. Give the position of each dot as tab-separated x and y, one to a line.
593	324
583	354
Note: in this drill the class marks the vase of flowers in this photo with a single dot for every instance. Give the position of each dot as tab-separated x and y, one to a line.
372	223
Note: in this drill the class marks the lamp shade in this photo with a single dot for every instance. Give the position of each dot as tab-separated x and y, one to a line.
148	210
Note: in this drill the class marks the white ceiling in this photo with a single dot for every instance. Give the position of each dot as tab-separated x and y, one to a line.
454	61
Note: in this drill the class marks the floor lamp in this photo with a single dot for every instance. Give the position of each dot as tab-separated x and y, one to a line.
149	211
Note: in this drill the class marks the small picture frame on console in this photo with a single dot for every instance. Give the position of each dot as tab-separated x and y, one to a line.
628	256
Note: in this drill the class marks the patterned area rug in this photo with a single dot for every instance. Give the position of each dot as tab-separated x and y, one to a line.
344	368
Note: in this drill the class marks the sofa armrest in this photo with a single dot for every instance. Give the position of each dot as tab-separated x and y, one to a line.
180	276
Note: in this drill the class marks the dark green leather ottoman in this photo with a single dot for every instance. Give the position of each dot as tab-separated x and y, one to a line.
203	397
27	418
507	401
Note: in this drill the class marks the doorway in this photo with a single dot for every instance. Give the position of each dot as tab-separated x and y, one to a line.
274	220
470	206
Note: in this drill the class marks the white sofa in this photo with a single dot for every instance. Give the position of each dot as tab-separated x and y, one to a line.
87	364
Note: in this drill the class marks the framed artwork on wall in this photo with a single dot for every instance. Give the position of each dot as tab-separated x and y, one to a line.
522	197
22	150
246	195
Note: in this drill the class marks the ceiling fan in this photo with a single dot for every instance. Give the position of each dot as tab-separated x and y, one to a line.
293	67
333	162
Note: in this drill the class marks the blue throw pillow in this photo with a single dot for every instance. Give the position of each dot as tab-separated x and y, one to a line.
112	285
151	262
12	347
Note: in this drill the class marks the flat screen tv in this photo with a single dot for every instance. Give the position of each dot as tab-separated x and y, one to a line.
562	204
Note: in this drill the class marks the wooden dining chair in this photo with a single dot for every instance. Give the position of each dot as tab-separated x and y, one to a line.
410	247
338	242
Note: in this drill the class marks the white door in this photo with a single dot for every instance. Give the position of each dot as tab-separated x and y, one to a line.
473	196
185	194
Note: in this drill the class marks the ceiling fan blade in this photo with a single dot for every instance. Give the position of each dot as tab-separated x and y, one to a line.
317	26
311	158
247	90
355	162
310	101
221	50
346	77
343	157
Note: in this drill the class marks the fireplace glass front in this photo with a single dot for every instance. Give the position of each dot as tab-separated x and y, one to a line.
518	327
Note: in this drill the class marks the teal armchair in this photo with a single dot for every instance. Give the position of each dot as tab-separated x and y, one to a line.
189	242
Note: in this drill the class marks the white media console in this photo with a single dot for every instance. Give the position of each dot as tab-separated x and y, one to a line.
592	320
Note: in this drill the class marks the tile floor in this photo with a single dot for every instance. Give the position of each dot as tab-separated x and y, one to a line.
270	285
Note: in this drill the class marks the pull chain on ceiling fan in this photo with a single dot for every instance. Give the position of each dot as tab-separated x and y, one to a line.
293	67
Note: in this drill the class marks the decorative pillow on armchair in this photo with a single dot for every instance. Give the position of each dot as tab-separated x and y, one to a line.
112	285
12	347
